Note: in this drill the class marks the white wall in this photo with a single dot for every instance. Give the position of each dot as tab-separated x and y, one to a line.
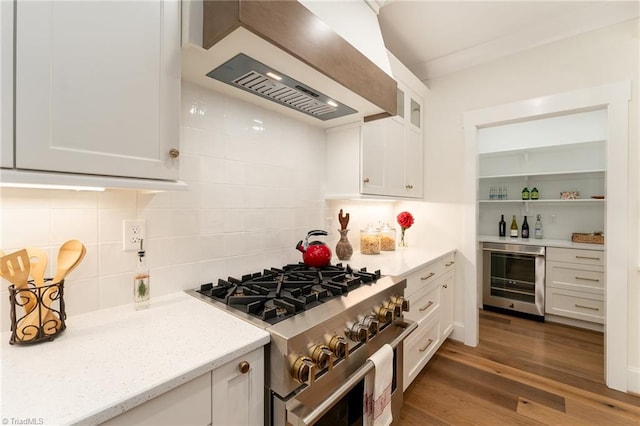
255	180
589	60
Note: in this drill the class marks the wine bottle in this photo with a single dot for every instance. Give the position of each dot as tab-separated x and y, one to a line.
502	226
525	193
525	228
514	227
537	230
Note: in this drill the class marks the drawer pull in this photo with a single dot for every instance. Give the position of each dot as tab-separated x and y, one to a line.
586	307
587	257
428	276
595	280
426	307
428	344
444	286
450	263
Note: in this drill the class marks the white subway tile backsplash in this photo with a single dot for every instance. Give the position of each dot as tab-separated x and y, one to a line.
81	296
113	260
25	227
116	290
74	199
255	188
14	198
76	224
110	224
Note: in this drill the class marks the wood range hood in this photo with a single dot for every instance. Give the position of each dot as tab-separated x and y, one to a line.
326	81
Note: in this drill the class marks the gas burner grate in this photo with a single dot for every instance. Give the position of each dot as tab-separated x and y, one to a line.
276	294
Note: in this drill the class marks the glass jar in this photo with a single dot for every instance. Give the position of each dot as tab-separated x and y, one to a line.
387	238
370	240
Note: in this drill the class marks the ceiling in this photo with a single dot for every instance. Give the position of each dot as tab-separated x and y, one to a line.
434	38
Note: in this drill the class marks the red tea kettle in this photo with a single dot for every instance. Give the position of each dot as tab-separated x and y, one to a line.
315	253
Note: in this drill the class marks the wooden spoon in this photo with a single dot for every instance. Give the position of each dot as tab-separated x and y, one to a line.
70	255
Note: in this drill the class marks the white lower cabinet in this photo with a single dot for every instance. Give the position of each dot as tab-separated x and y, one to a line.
575	285
188	404
430	294
232	394
238	393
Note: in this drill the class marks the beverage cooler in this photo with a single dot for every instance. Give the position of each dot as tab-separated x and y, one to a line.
513	279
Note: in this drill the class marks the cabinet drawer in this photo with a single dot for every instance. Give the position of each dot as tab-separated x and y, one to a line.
419	348
425	301
572	304
583	257
571	276
425	276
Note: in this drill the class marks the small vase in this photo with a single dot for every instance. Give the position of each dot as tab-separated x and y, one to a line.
403	238
344	250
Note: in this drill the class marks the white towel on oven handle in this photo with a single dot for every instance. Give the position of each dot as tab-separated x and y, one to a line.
377	389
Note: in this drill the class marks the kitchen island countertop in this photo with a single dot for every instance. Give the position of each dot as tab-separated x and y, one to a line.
109	361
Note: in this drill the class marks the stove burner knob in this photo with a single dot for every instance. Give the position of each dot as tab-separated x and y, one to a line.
339	346
322	356
357	332
399	300
303	370
372	324
393	307
383	314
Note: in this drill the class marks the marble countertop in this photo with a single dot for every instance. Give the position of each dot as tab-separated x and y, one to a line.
540	242
109	361
401	261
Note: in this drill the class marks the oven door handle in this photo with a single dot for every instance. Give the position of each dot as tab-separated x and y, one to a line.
301	416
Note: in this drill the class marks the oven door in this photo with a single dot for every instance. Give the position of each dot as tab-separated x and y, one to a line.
337	400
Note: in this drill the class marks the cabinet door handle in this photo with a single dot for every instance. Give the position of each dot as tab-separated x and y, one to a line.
244	367
426	307
428	344
587	257
365	180
588	279
586	307
444	286
450	263
174	153
428	276
408	186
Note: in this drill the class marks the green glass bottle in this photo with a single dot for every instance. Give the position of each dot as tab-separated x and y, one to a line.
534	194
525	193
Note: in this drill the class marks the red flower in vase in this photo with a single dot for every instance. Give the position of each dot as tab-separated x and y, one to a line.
405	220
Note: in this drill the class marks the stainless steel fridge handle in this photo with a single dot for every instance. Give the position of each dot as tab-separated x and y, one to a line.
301	416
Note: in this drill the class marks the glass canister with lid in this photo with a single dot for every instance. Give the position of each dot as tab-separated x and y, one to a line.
370	240
387	238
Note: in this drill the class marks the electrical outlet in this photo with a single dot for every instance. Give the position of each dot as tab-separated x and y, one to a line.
132	232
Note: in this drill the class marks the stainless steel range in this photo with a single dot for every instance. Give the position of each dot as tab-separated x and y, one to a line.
324	324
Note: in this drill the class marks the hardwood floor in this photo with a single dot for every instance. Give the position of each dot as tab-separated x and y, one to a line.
522	373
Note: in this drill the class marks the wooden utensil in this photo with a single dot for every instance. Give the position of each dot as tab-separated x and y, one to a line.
15	268
38	264
70	255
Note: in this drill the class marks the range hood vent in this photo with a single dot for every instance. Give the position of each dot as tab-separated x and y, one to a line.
329	82
255	77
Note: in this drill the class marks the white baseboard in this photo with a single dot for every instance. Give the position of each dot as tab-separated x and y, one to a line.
633	380
458	332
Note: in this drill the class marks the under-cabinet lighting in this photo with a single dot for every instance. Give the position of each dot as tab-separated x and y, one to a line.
48	186
332	103
274	76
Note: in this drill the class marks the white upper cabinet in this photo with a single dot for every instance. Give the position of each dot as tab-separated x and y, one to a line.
98	88
388	151
6	84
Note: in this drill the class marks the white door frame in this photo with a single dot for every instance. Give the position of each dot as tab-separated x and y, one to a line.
615	99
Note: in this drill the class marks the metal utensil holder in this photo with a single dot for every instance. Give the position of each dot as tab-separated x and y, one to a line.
37	312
